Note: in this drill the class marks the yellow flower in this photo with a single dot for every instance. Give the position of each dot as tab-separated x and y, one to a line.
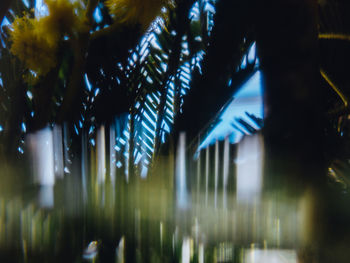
62	19
31	46
35	41
142	12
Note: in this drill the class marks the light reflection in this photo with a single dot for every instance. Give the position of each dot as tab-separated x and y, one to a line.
40	8
120	254
91	251
270	256
186	250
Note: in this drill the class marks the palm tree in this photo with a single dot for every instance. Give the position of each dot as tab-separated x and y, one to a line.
147	74
136	80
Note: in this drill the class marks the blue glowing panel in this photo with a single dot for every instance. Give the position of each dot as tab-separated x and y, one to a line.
248	99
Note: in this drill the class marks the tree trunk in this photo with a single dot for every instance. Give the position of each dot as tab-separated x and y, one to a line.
287	41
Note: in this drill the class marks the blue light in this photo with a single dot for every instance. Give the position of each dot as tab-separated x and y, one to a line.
194	13
76	129
149	119
250	57
252	53
20	150
24	128
41	9
119	164
155	44
97	91
98	15
26	3
29	95
144	125
5	22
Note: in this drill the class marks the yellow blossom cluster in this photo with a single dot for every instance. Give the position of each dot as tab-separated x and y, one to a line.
141	12
32	46
35	41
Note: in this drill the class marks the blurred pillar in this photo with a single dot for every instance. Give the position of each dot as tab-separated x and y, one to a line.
42	151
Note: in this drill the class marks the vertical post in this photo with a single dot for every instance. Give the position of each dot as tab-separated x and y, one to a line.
206	174
101	155
112	154
84	165
180	173
58	151
216	172
226	165
41	148
198	171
